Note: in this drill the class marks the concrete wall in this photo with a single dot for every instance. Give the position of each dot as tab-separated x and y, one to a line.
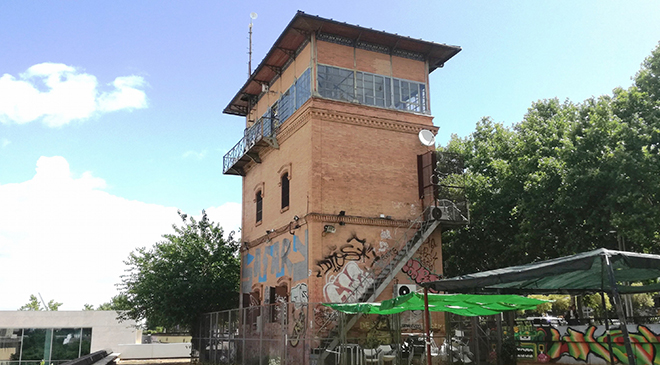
107	332
154	351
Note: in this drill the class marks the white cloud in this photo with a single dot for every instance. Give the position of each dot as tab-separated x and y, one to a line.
229	217
58	94
198	155
64	237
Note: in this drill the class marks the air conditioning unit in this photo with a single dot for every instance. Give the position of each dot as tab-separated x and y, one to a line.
403	289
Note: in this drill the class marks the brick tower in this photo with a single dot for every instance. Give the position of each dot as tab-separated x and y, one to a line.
336	205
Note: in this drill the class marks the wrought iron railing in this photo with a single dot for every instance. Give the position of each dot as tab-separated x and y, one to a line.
263	128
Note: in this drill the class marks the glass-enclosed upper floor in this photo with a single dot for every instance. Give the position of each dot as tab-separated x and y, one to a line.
321	58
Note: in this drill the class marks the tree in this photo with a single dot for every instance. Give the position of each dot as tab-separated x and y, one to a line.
34	305
88	307
117	303
570	177
193	271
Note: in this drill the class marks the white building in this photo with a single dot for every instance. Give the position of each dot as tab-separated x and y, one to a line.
56	336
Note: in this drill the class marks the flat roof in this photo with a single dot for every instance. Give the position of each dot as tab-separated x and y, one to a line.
298	31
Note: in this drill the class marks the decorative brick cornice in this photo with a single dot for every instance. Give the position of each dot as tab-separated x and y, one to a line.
312	111
367	221
328	218
322	112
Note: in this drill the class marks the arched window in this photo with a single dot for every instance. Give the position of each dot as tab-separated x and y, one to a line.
260	205
284	182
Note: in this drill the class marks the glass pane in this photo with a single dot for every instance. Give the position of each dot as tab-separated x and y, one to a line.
336	83
86	341
359	86
66	343
303	89
33	344
379	90
369	89
405	91
286	104
10	344
388	92
422	98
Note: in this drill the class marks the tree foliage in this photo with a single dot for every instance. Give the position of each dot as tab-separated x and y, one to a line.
568	178
117	303
35	305
193	271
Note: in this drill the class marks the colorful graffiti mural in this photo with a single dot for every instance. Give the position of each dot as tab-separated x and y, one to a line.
551	344
286	257
418	273
348	285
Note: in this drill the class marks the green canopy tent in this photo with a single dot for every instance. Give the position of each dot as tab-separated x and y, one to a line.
601	270
462	304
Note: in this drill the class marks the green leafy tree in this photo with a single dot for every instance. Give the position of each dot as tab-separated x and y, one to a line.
35	305
570	177
117	303
193	271
88	307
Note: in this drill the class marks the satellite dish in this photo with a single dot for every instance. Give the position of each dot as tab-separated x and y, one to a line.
426	137
253	15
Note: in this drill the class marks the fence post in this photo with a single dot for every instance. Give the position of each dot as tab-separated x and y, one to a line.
284	315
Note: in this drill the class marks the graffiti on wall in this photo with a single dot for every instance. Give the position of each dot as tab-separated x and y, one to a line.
383	245
299	326
286	257
338	258
546	344
348	285
428	254
418	273
299	295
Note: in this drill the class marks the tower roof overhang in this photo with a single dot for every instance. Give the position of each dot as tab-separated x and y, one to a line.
298	31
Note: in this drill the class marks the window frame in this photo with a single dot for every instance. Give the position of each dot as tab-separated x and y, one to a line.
395	93
259	206
285	190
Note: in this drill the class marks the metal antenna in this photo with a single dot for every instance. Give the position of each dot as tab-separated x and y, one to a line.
252	17
43	303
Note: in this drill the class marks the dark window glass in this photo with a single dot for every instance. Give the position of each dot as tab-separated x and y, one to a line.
259	206
66	343
36	344
285	190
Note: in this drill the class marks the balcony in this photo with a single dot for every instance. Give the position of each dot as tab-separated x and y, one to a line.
442	186
259	136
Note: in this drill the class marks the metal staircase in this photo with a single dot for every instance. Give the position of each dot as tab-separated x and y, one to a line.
384	270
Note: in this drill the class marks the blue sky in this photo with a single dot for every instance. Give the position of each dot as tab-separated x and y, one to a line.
111	111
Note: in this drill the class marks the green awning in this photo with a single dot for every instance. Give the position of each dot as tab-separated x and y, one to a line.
576	274
462	304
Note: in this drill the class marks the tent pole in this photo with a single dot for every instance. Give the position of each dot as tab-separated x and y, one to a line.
619	311
607	327
499	338
427	325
